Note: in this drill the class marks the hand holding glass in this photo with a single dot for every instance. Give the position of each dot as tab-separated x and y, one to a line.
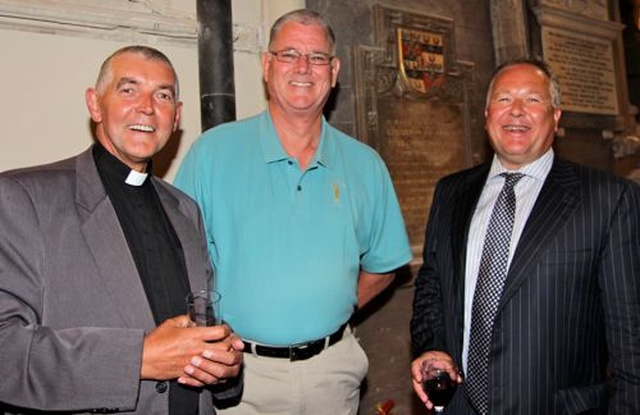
204	307
438	385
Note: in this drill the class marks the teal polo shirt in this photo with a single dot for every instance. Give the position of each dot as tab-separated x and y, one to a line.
287	244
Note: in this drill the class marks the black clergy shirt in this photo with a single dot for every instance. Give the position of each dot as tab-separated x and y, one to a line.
156	251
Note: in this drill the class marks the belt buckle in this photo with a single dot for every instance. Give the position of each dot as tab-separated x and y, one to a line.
303	352
298	353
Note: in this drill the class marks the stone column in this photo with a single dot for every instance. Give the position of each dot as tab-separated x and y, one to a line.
509	26
215	56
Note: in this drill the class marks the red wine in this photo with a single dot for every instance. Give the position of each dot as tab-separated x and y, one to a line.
440	389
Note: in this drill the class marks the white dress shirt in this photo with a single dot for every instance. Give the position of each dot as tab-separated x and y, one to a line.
527	191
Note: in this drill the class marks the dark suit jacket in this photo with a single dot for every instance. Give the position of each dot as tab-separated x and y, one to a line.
566	337
73	311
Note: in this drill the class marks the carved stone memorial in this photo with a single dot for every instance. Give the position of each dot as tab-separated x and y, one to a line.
413	106
578	42
585	64
582	47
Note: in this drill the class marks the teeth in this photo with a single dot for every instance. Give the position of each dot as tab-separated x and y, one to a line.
300	83
140	127
515	128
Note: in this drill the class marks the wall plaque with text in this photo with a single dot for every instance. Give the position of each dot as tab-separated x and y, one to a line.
585	69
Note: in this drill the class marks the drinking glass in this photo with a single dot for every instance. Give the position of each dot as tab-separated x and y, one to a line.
438	386
204	307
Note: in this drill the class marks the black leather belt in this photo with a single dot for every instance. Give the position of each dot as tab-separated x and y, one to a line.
295	352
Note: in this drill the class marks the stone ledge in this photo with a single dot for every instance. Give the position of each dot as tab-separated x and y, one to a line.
128	21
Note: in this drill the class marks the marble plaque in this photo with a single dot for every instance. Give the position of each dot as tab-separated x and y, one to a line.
585	69
413	106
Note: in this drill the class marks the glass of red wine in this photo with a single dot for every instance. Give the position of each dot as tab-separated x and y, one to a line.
438	386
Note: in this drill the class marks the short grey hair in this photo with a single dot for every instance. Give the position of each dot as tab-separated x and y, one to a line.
554	85
308	18
147	52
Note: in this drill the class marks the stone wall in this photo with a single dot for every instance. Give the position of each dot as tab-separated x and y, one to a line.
482	34
383	328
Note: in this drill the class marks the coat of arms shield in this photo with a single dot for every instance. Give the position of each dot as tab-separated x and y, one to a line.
421	59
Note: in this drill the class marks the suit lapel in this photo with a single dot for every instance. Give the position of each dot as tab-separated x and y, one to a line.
557	200
108	245
464	207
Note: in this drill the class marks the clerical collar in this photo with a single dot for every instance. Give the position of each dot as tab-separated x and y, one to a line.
116	169
135	178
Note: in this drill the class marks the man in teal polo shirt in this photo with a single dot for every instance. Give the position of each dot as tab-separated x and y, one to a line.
303	226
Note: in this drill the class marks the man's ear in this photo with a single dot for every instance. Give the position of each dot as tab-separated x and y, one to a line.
91	99
335	68
557	113
265	61
176	120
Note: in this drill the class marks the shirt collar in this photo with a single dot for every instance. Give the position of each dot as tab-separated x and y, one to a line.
537	169
135	178
273	151
110	165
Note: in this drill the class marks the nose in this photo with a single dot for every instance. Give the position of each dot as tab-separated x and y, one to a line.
145	104
517	107
302	65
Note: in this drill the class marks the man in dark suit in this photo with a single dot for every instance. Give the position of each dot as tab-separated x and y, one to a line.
563	336
96	258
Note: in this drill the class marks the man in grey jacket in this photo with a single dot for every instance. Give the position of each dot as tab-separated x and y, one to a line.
96	258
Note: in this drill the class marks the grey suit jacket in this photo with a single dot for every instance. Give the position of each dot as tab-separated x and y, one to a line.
567	332
73	311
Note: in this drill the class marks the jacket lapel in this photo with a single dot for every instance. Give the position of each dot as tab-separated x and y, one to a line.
465	205
467	199
108	246
555	204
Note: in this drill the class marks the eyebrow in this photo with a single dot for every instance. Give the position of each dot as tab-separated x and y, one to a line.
128	80
298	50
168	87
516	91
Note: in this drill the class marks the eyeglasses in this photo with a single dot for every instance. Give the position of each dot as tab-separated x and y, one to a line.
293	56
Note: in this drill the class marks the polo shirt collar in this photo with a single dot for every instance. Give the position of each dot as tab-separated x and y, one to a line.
326	147
272	149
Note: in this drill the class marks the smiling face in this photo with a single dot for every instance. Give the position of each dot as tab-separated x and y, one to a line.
135	108
299	89
521	119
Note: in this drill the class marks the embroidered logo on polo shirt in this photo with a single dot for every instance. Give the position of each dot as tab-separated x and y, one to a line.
336	192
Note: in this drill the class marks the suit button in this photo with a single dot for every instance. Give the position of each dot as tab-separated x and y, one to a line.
161	387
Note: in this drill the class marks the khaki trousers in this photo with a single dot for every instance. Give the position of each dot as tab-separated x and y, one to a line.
328	383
